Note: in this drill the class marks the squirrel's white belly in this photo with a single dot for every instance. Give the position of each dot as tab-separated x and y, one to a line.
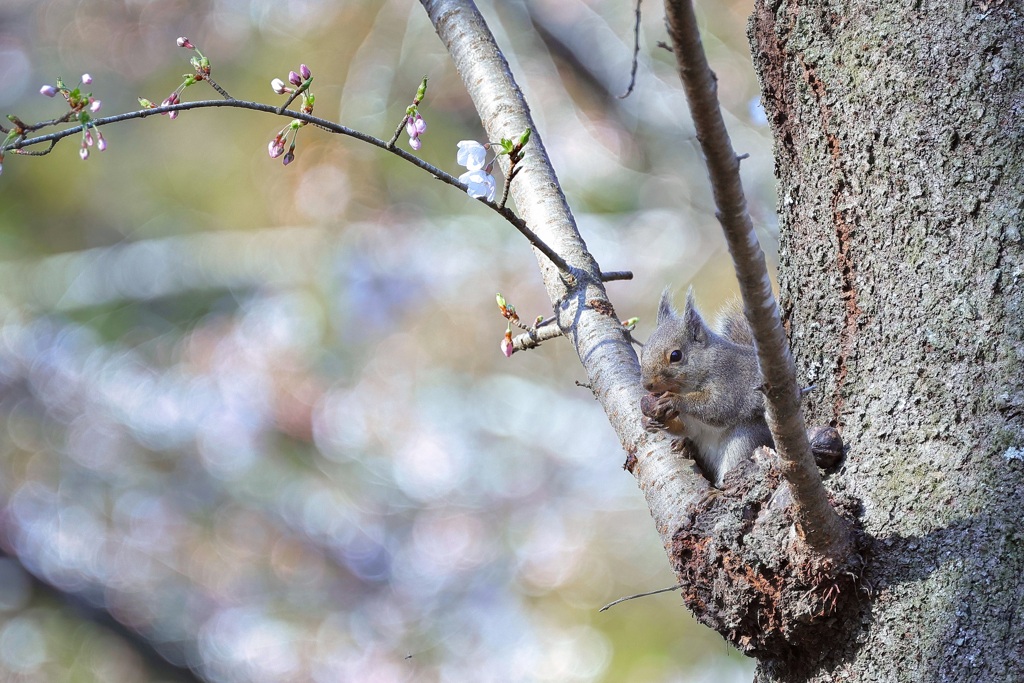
710	440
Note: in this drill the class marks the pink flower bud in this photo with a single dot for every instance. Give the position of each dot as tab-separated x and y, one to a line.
415	143
506	346
94	105
288	158
278	86
294	78
48	90
276	147
305	72
86	79
88	138
171	99
101	143
185	43
420	125
84	153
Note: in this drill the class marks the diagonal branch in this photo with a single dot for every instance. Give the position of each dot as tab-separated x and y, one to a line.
817	523
20	145
582	309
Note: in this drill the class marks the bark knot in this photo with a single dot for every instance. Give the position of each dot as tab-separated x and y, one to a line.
742	575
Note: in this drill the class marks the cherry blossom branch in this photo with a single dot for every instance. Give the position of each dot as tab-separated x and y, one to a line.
19	144
817	523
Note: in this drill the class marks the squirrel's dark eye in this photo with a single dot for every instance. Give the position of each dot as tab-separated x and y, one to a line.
675	356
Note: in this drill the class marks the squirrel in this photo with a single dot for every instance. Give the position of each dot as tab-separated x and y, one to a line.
705	386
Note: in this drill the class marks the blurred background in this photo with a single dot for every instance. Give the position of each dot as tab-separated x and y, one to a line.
256	423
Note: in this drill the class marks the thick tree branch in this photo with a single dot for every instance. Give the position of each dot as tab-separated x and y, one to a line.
582	309
817	523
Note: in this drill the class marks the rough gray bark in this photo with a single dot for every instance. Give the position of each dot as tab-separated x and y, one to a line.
898	132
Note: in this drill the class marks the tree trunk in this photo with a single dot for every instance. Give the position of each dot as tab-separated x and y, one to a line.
898	130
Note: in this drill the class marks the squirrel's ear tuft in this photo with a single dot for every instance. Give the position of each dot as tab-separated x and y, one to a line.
691	316
665	310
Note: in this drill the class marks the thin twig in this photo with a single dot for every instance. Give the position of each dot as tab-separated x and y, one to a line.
636	53
33	153
641	595
616	275
291	98
535	337
507	187
28	128
817	523
213	84
398	132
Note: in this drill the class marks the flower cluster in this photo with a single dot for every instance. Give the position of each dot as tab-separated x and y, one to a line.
202	70
276	146
478	179
300	81
415	126
508	311
83	106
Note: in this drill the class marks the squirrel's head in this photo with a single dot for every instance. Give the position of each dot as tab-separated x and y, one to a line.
665	362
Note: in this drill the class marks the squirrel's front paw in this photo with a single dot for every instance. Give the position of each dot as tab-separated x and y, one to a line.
658	410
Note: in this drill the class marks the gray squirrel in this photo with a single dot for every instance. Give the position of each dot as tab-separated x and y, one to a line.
705	386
